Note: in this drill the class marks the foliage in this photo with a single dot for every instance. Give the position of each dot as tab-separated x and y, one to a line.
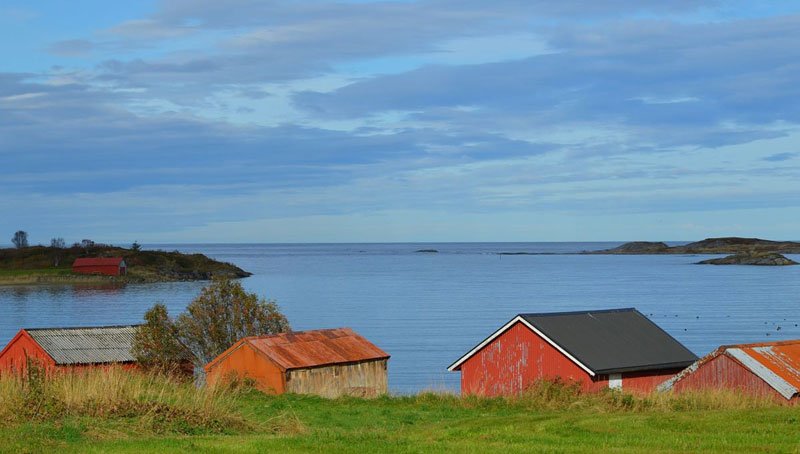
156	344
222	314
20	239
136	247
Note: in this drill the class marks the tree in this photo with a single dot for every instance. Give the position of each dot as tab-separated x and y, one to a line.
57	244
20	239
222	314
87	245
156	343
136	246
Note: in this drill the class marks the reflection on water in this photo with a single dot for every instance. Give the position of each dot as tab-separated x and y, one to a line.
428	309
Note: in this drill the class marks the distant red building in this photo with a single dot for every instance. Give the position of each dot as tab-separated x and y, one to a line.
69	348
618	348
767	369
110	266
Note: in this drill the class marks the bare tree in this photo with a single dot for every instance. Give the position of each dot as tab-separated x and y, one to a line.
20	239
58	243
87	245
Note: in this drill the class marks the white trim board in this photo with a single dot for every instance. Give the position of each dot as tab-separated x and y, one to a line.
505	328
774	380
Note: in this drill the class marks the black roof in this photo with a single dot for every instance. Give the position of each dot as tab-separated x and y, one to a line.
612	341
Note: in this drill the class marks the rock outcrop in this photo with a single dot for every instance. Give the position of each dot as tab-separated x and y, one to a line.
758	259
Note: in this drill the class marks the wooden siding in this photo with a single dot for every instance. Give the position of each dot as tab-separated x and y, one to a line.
724	372
245	362
14	357
519	357
364	379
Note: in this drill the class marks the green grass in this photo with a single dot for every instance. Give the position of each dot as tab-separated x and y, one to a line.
552	419
36	272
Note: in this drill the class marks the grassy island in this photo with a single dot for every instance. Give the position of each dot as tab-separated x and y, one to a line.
52	265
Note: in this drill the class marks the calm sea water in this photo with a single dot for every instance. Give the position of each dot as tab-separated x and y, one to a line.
428	309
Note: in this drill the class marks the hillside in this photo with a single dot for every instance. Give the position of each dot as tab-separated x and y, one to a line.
725	245
43	264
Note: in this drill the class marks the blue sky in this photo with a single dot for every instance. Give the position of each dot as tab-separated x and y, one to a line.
429	120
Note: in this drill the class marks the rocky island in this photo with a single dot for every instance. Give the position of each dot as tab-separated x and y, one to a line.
726	245
758	259
53	265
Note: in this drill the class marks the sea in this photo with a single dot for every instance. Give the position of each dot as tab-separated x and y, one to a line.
427	309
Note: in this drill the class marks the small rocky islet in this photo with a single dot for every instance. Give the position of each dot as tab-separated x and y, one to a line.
759	259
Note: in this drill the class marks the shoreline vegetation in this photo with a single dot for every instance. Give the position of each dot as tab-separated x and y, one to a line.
115	410
48	265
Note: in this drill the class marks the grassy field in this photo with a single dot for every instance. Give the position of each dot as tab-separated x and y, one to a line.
131	413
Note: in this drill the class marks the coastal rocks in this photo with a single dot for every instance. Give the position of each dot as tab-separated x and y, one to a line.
726	245
427	251
759	259
638	247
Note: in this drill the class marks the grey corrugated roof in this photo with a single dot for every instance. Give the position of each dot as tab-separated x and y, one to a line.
613	341
102	344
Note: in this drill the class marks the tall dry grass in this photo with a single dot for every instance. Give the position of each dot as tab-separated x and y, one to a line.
557	395
157	401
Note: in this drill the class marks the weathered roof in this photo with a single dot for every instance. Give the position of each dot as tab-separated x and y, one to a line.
777	363
97	261
603	341
304	349
90	345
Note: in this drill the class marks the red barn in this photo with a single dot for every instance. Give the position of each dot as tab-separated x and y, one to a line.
770	369
110	266
618	348
69	348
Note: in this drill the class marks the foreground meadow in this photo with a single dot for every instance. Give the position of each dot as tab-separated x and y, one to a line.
129	412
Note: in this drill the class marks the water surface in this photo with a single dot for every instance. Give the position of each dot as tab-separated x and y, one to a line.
428	309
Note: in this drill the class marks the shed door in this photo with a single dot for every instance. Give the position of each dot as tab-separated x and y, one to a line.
615	381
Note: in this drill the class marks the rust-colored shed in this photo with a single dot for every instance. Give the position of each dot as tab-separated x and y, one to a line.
769	369
327	362
69	348
109	266
617	348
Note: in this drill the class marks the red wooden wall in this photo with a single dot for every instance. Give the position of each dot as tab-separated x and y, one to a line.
22	347
108	270
519	357
724	372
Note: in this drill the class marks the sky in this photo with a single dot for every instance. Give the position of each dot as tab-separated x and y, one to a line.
379	121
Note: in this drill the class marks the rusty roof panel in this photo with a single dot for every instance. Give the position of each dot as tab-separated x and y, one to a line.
303	349
94	345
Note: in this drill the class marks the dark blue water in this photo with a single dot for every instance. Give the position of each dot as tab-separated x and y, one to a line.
428	309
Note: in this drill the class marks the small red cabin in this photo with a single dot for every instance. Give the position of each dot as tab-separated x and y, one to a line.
69	348
618	348
326	362
109	266
767	369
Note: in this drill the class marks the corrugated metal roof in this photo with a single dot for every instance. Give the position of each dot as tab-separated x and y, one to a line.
303	349
91	345
777	363
97	261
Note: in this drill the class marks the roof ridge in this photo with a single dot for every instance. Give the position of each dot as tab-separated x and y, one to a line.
761	344
82	327
582	312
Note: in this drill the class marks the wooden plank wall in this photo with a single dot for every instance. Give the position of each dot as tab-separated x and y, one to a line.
365	379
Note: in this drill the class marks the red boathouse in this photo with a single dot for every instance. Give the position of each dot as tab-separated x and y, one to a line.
69	348
767	369
110	266
617	348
